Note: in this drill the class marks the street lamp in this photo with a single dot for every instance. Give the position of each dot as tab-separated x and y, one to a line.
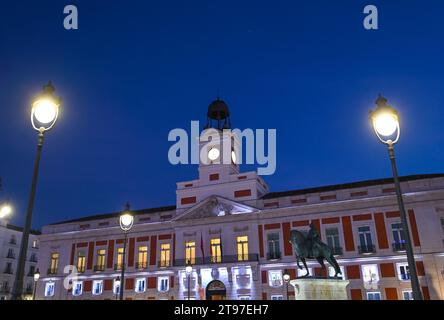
5	210
188	270
286	280
385	121
36	278
44	113
126	221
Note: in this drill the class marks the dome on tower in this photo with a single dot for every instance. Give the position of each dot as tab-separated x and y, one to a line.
218	111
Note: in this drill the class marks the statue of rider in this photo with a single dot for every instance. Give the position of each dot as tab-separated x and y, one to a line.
313	239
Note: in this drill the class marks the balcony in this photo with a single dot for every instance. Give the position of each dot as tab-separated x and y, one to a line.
164	264
220	259
52	271
337	251
99	268
398	246
142	265
273	256
11	255
404	276
8	271
5	289
367	249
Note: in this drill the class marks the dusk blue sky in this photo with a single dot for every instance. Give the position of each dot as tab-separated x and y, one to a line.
137	69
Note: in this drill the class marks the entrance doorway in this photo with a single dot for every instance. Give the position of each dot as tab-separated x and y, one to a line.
216	290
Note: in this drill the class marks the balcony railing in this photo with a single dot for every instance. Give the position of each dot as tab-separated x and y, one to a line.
164	264
81	269
142	265
398	246
220	259
404	276
273	256
11	255
337	251
8	271
367	249
118	266
5	289
52	271
99	268
33	259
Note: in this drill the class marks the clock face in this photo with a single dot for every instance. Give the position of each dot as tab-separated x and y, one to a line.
233	156
213	154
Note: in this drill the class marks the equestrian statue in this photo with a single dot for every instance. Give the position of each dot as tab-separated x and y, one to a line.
309	246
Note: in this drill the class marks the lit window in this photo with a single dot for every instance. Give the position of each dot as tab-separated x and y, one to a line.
143	258
35	244
370	273
244	298
165	255
403	271
190	252
49	289
216	250
275	278
77	288
277	297
81	262
54	263
119	259
116	286
242	248
140	285
101	254
331	272
374	295
97	287
407	295
302	272
163	284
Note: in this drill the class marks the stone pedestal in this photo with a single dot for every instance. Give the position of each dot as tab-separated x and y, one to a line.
320	289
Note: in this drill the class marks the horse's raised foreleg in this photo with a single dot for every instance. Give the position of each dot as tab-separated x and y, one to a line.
306	268
332	261
297	262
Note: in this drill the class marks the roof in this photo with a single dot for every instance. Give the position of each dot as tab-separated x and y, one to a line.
271	195
117	214
20	229
351	185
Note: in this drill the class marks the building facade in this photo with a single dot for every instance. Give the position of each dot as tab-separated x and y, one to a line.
235	233
10	240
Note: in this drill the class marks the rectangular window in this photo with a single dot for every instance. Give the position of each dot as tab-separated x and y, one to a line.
140	285
370	273
49	289
97	287
365	240
119	259
244	297
277	297
81	262
403	271
398	233
54	262
116	286
332	237
274	251
216	252
374	295
163	284
442	224
242	248
101	256
35	244
190	252
165	255
275	278
143	258
407	295
77	288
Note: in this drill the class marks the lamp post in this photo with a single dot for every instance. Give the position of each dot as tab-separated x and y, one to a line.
188	270
126	223
117	283
44	113
286	280
385	122
36	278
5	210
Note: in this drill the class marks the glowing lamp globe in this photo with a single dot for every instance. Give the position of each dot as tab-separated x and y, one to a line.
126	221
188	269
45	109
5	210
286	277
37	275
385	122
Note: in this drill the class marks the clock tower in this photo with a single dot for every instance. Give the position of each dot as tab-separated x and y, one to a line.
219	158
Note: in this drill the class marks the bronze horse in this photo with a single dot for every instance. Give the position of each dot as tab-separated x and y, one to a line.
308	246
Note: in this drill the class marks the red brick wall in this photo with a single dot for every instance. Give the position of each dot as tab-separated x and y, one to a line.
414	229
153	249
129	283
391	294
261	240
131	252
109	263
387	270
356	294
286	236
381	232
90	255
353	272
348	234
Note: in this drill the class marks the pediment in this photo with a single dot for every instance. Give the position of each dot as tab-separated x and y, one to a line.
215	206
